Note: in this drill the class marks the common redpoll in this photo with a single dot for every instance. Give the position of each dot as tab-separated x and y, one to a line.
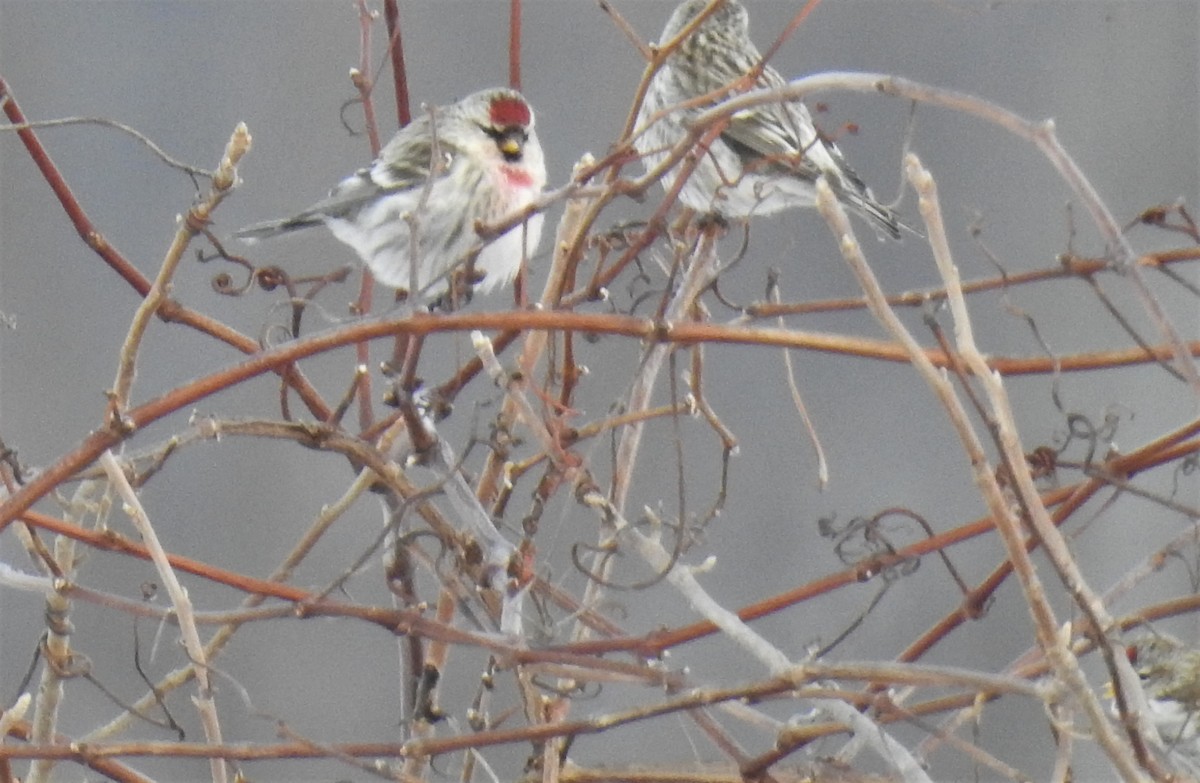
768	157
1170	674
411	215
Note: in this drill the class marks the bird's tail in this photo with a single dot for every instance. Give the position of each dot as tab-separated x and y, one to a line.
858	197
880	216
272	228
854	193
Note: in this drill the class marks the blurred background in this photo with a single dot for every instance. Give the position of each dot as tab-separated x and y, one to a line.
1119	80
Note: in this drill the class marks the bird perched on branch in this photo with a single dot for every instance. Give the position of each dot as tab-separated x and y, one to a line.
768	157
412	214
1170	674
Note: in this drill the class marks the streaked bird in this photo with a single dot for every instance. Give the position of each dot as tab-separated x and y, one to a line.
768	157
411	215
1170	675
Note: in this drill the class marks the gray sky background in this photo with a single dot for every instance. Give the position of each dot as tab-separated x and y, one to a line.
1119	80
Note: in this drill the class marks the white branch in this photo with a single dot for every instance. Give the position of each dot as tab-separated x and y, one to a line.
205	705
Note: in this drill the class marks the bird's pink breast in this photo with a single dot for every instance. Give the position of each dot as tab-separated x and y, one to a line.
517	177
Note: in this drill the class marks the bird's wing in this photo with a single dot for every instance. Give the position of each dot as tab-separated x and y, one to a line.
782	134
404	164
781	137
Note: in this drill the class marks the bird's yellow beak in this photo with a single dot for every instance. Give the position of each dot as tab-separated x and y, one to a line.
510	146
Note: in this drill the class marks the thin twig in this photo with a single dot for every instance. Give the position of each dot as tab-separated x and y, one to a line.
183	608
1041	135
174	163
391	16
514	44
798	400
683	579
197	216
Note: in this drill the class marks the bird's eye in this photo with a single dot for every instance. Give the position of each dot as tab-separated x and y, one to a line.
510	141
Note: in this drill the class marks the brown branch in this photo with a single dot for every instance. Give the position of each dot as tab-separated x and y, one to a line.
391	17
790	29
1067	500
197	217
683	333
83	226
1040	134
790	685
1069	266
514	44
169	311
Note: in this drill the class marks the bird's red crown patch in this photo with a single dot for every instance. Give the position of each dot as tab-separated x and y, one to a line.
509	111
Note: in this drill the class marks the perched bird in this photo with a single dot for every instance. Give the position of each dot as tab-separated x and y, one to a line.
768	157
411	215
1170	674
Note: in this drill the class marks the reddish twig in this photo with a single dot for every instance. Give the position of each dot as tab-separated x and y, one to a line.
514	44
683	333
170	310
791	28
391	17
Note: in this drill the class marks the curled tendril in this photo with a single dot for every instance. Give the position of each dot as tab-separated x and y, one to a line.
71	664
223	284
871	538
617	237
271	277
349	102
1185	468
715	285
685	536
649	295
580	548
1080	427
273	334
866	539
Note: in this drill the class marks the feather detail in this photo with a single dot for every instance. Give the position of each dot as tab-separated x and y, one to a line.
411	215
507	111
769	157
